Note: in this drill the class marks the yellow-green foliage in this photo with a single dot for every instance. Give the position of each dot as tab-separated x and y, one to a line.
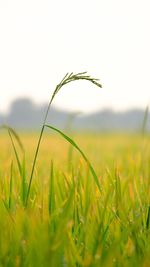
68	221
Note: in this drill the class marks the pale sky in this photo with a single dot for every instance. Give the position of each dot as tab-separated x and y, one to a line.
41	40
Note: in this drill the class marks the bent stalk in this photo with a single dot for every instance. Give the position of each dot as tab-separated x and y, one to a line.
67	79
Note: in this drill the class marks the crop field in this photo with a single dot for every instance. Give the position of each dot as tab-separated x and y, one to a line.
74	199
69	219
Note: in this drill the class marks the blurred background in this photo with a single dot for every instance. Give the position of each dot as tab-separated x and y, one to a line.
26	115
42	40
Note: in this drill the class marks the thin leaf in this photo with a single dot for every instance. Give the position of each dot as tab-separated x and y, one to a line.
16	136
10	187
81	152
16	154
51	190
148	219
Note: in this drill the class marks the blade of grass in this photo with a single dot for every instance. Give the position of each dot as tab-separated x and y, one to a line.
12	133
117	192
24	182
16	154
51	191
148	219
80	151
10	187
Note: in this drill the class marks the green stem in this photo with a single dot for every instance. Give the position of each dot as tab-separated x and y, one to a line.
36	153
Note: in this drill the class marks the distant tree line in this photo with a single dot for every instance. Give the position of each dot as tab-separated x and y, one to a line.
24	114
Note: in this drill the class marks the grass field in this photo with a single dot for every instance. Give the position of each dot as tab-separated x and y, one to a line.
69	221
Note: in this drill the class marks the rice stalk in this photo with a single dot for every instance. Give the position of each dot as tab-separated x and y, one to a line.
68	78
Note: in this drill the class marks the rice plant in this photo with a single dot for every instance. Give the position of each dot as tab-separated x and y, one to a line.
67	79
93	213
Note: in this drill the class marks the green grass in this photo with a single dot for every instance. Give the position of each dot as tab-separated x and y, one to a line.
60	206
68	221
